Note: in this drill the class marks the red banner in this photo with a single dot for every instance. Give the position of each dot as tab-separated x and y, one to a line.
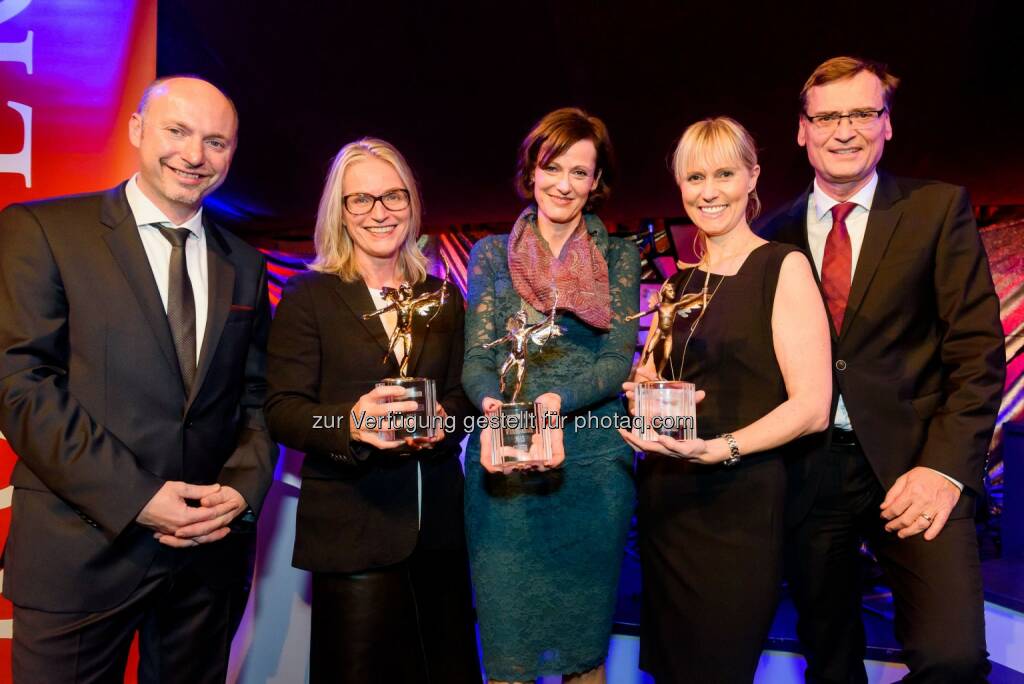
71	73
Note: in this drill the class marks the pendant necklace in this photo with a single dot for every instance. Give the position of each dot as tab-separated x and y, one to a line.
704	307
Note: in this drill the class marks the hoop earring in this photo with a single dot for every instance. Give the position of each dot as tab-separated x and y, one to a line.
699	250
753	205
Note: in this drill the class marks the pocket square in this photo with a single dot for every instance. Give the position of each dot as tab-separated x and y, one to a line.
241	307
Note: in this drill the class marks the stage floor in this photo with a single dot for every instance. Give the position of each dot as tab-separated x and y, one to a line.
281	598
1004	595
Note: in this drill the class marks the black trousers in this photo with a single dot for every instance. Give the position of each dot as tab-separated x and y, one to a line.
185	630
711	554
411	622
936	585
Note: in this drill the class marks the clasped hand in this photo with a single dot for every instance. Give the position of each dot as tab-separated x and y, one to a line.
552	408
920	500
178	524
376	405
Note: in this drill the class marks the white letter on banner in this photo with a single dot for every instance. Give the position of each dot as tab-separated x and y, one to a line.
12	8
16	52
20	162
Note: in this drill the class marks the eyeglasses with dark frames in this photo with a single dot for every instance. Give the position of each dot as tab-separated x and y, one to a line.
859	118
363	203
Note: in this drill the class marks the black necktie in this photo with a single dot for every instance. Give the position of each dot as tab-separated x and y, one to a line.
181	306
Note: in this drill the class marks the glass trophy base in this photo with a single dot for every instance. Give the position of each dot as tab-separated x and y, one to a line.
522	435
420	423
666	407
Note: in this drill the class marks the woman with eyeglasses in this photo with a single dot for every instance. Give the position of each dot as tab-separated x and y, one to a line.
379	523
710	513
546	544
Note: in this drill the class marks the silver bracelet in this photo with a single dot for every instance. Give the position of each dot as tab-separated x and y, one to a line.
734	449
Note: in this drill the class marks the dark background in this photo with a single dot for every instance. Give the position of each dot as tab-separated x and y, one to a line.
456	86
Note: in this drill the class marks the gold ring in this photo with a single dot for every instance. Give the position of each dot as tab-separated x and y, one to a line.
926	517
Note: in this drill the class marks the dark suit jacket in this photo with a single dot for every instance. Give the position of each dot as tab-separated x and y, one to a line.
357	507
92	401
920	361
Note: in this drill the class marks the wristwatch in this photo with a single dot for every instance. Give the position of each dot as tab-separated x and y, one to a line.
734	449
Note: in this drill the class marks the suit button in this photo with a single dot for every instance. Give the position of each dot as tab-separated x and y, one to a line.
840	365
188	423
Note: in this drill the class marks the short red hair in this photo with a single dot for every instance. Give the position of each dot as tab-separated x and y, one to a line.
555	133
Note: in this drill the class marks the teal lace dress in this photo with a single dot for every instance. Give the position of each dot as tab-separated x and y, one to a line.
545	548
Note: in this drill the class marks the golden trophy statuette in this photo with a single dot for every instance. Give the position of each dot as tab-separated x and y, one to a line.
667	407
423	422
522	434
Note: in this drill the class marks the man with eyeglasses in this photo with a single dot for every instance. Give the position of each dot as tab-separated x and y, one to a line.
918	374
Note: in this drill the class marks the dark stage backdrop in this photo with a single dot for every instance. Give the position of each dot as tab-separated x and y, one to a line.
456	86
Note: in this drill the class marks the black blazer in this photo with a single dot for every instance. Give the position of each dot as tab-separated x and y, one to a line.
357	505
92	401
920	360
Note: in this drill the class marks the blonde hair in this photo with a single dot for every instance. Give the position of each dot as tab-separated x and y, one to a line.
711	141
716	140
335	252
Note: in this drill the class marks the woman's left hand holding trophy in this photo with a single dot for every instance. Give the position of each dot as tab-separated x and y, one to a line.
552	409
694	450
418	443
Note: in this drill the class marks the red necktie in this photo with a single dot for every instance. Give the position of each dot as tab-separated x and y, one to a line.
835	264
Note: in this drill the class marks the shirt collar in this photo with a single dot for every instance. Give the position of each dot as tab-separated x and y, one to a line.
822	203
146	212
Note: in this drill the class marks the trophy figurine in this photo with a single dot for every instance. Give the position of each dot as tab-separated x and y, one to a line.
667	407
421	423
522	434
667	311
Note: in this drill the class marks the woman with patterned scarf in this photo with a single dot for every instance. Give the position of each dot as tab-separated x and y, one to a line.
546	543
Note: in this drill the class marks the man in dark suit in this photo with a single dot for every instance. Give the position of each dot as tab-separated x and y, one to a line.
918	365
132	353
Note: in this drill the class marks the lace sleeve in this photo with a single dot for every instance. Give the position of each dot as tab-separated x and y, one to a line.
480	369
611	367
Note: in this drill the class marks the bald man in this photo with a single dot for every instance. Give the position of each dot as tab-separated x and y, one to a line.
132	347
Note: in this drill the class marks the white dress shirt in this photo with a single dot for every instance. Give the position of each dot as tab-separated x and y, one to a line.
158	251
819	223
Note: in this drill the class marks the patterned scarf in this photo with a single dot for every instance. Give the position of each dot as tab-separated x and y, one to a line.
580	276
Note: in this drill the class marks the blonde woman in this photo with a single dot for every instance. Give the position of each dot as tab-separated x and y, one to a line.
711	509
379	523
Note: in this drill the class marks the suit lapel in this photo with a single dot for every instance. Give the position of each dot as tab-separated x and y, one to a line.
221	275
356	299
794	231
882	220
124	243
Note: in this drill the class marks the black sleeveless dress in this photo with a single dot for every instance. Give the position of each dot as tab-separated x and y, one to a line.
711	535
